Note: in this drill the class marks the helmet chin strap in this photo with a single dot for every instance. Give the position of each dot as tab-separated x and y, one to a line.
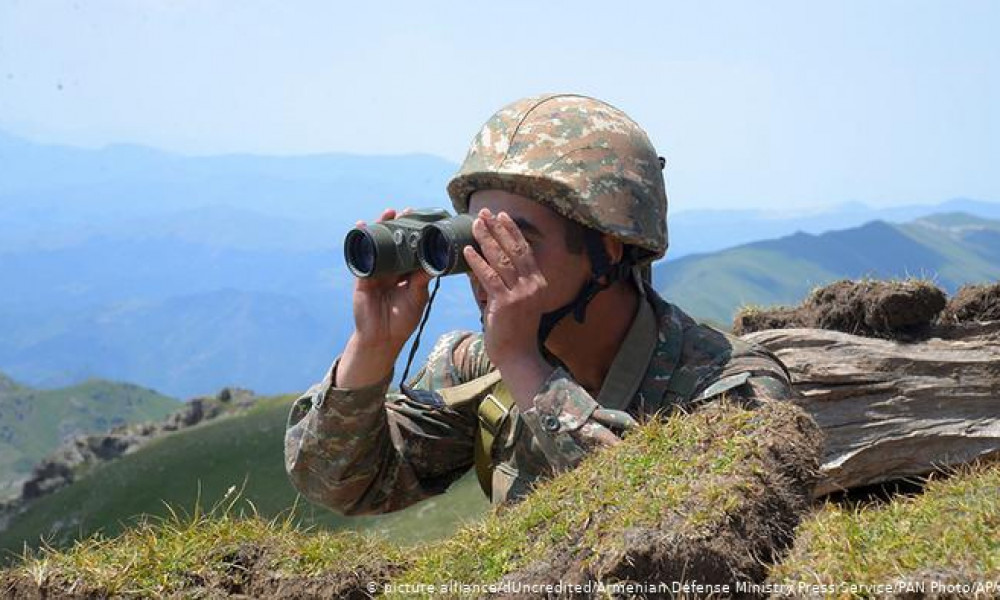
600	266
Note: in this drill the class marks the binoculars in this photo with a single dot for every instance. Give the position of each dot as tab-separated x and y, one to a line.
428	239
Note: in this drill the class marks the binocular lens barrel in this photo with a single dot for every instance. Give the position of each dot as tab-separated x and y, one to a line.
429	239
378	250
441	243
434	251
360	251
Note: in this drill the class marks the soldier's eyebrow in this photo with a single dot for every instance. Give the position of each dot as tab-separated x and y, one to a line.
527	227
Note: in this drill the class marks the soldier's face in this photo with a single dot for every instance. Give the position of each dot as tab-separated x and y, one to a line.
544	230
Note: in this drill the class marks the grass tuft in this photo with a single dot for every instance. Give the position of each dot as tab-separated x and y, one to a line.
164	556
952	527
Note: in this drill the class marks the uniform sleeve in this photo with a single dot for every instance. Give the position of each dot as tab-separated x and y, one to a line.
363	451
754	378
765	388
568	423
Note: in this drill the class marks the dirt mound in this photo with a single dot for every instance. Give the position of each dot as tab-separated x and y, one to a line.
711	497
973	303
885	309
749	320
766	494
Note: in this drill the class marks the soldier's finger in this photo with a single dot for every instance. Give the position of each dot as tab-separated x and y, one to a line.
616	420
418	278
488	278
510	238
491	250
595	434
387	215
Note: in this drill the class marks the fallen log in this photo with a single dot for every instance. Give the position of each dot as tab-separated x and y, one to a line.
891	409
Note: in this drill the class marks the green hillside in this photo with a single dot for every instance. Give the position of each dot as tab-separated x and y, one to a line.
245	451
34	422
950	249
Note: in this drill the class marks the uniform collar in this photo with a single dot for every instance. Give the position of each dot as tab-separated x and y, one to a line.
628	369
661	366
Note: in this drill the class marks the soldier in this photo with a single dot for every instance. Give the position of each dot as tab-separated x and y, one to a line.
575	348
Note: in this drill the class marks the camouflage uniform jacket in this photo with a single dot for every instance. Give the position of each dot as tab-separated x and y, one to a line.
362	451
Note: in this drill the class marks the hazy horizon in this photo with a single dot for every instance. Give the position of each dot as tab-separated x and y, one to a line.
767	212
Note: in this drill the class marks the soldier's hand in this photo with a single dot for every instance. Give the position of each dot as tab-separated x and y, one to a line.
388	309
514	285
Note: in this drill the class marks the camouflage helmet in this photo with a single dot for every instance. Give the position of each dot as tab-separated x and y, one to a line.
583	158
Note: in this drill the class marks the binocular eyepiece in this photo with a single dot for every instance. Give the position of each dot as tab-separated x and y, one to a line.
429	239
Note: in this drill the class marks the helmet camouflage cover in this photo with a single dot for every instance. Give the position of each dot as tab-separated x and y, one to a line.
583	158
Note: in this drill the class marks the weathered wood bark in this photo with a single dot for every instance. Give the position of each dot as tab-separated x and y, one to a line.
890	409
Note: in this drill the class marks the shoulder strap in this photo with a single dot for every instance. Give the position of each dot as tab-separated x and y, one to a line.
493	413
628	369
470	389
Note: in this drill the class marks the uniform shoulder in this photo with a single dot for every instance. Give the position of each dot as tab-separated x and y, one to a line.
709	356
705	344
731	354
457	357
697	343
469	357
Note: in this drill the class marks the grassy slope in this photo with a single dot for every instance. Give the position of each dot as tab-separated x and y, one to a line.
950	532
34	422
950	249
242	451
696	475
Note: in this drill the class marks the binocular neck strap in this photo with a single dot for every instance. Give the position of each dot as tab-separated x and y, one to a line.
420	330
600	266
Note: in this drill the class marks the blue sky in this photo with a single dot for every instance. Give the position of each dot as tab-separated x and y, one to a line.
778	105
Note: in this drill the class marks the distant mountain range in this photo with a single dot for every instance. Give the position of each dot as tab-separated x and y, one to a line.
54	195
58	196
33	422
188	274
949	249
702	231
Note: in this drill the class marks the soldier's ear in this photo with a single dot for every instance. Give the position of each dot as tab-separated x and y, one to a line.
614	248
